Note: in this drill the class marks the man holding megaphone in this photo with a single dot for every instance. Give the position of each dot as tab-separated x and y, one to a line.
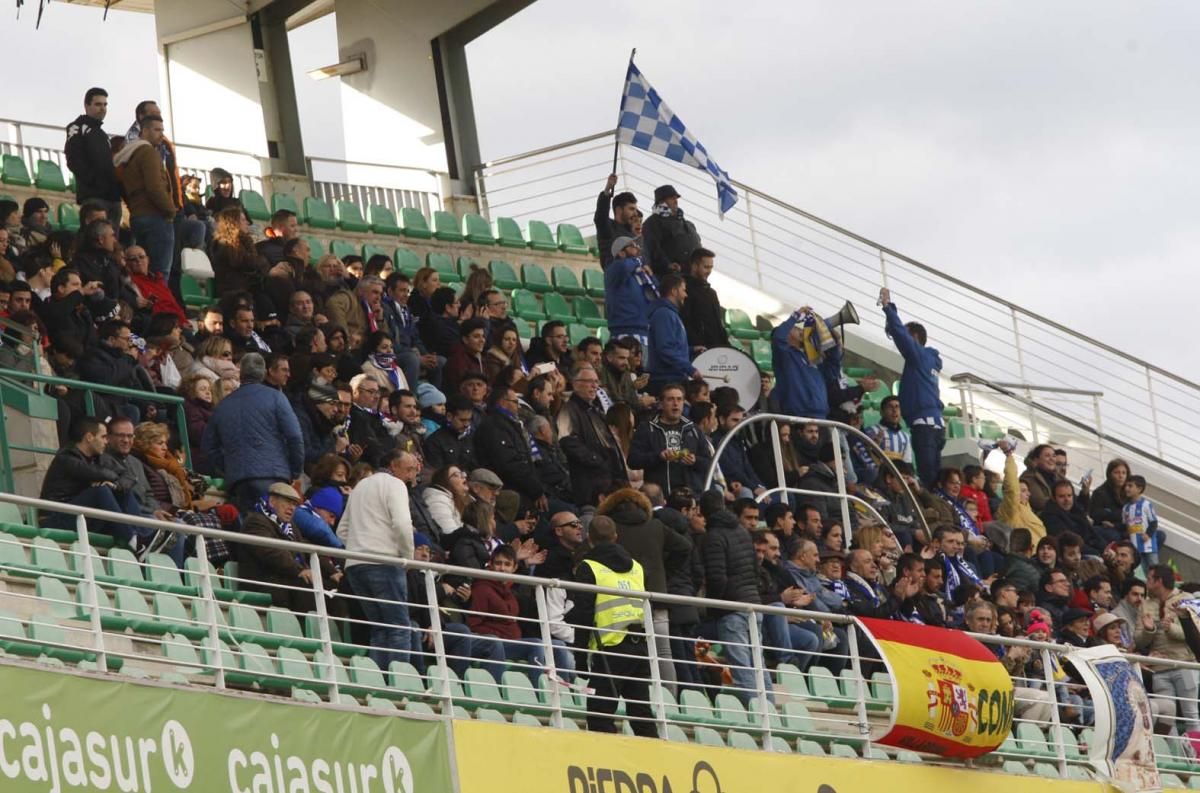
807	357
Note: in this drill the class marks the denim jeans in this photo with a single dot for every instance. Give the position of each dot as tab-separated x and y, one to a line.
108	499
927	444
157	236
786	642
383	590
190	232
733	632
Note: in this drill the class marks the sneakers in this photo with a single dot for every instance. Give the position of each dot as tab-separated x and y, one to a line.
162	540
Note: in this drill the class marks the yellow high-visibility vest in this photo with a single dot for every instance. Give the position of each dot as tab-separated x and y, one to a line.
615	615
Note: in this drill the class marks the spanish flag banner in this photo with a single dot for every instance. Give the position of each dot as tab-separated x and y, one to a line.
951	696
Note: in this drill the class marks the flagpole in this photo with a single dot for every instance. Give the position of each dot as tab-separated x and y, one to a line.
617	142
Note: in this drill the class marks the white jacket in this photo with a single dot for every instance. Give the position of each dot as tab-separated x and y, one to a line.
377	518
441	508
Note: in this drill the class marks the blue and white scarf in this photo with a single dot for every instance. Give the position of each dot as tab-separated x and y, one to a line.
387	362
263	507
533	447
862	585
957	569
964	520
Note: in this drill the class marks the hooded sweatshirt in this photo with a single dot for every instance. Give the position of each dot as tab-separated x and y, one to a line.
919	395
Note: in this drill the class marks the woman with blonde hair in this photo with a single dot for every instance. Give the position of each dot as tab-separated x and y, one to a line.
237	265
478	282
197	408
151	445
215	359
425	282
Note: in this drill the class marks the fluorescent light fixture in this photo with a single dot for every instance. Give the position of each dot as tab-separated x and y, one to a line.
354	65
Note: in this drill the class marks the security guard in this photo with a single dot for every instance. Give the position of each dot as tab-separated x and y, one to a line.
616	643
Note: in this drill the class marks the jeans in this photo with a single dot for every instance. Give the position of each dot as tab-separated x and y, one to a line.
528	651
190	232
461	648
733	632
1181	684
109	500
383	590
157	236
787	642
927	444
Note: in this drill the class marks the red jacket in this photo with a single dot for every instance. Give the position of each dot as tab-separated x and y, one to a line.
154	288
981	501
459	364
497	606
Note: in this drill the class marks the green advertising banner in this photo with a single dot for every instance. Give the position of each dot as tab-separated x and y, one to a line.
63	732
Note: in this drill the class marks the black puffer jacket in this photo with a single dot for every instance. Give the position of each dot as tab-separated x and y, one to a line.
89	157
467	549
445	447
702	315
669	240
689	579
660	551
1105	506
730	566
503	447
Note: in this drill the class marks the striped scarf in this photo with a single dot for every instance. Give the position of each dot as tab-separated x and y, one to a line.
263	507
964	520
957	569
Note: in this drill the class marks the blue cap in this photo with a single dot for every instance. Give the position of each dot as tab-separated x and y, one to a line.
420	538
428	395
329	499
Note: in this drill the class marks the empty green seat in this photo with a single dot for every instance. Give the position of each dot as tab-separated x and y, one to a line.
49	177
675	734
316	248
320	216
740	740
413	224
482	690
322	664
508	233
62	536
908	756
283	625
14	171
439	678
405	261
556	307
1032	740
577	332
476	230
570	240
297	671
444	266
49	558
729	711
383	220
525	305
12	556
179	650
593	282
707	736
739	324
169	609
161	569
255	206
760	351
405	678
796	719
842	750
368	678
281	201
824	687
587	313
540	237
306	696
1015	767
695	708
810	748
525	720
518	692
255	661
503	275
54	592
349	217
535	278
55	644
68	216
343	249
446	227
565	280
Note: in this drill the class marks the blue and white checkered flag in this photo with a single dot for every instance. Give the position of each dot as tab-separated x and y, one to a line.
647	123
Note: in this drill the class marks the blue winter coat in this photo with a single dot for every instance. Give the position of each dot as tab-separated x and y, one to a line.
667	358
313	528
800	387
625	300
253	434
919	395
735	463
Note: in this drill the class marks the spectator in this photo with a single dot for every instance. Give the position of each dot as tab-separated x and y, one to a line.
803	363
868	596
1159	632
504	446
615	378
740	477
284	227
222	192
783	638
593	454
467	354
89	156
630	290
66	314
253	438
930	603
1054	594
920	403
614	627
279	371
35	224
110	363
477	391
669	360
590	350
1040	476
146	186
198	409
446	498
1105	507
1141	521
215	359
317	412
152	287
381	363
211	322
369	439
624	207
317	517
95	261
552	347
237	266
670	238
410	349
242	336
479	282
661	553
1062	514
441	326
426	281
1030	704
504	352
959	571
671	450
622	421
1129	611
974	489
301	314
702	313
895	442
730	573
1019	565
1015	509
359	312
453	444
552	465
410	434
377	520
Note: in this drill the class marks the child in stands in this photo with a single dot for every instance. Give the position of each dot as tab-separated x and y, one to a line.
1141	521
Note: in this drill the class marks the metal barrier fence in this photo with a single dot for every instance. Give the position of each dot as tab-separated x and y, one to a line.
785	251
207	628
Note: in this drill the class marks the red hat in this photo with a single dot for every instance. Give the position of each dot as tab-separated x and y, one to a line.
1034	627
227	513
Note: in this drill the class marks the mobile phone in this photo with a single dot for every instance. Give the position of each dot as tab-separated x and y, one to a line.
543	368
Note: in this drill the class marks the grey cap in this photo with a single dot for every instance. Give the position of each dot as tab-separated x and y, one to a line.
320	394
620	243
483	476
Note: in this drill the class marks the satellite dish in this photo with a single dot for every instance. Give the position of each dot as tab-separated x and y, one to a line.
726	366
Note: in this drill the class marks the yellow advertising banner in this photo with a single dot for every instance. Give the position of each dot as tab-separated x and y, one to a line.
496	758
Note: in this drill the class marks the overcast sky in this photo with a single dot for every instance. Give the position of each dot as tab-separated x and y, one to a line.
1047	153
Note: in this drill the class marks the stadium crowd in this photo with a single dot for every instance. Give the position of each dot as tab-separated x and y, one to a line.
348	405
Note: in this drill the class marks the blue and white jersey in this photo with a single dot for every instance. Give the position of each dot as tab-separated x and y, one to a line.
1139	517
895	442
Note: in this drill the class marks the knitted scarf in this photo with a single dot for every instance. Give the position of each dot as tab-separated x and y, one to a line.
837	587
664	211
168	463
958	571
862	585
387	362
263	507
964	520
646	281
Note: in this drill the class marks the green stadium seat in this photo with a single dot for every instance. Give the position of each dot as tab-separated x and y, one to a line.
406	261
254	205
466	265
1170	782
13	637
437	677
342	249
873	399
256	661
824	687
54	592
161	569
603	334
675	734
556	307
908	756
476	230
306	696
61	536
413	224
446	226
695	708
284	626
729	711
405	679
796	719
775	744
842	750
503	275
168	609
760	351
316	248
56	644
378	703
444	266
49	177
383	220
281	200
525	305
320	216
134	612
519	693
756	719
68	216
570	240
368	679
195	294
75	559
707	736
349	217
508	234
1015	767
48	557
525	720
14	171
740	740
180	650
856	372
483	691
535	278
540	237
369	250
418	709
587	313
810	748
593	282
299	673
1032	740
12	556
577	332
565	280
1050	771
739	324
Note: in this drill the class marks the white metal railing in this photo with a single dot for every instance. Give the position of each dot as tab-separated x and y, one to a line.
204	643
787	252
